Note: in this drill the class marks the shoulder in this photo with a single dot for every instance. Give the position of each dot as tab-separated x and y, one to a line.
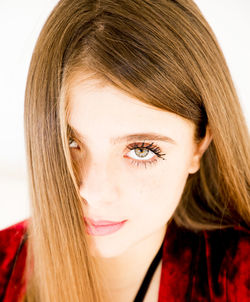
208	265
12	256
228	262
10	239
16	230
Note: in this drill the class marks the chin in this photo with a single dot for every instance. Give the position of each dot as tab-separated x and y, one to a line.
108	250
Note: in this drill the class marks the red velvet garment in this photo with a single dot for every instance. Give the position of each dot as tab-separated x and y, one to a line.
197	266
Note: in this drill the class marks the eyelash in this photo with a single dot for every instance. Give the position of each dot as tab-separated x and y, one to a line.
151	147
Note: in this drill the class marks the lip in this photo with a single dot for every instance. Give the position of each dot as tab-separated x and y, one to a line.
102	227
100	222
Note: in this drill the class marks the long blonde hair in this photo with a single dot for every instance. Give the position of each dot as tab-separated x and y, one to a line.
165	54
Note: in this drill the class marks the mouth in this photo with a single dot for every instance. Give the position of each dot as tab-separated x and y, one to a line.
100	222
102	227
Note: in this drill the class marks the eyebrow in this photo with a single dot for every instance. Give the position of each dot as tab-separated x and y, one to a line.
130	137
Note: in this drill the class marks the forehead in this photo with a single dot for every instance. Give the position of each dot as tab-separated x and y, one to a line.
95	107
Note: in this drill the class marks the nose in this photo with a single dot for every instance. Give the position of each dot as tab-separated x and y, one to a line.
98	185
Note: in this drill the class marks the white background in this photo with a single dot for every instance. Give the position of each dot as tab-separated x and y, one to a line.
20	24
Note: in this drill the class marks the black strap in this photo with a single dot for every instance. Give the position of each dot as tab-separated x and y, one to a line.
146	281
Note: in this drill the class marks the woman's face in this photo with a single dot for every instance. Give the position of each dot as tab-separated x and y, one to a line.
120	181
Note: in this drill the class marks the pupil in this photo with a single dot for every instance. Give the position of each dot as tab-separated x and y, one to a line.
145	151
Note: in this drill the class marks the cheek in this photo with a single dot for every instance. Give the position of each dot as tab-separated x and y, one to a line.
156	190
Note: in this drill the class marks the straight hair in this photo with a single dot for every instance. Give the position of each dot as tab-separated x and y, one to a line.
161	52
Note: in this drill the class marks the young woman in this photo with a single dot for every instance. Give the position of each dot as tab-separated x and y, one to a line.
138	160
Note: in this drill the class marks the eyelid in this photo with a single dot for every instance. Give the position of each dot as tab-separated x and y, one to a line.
153	147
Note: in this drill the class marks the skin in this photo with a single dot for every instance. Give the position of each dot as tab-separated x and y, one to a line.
112	188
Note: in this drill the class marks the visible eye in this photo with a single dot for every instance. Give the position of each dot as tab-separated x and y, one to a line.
73	144
145	153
